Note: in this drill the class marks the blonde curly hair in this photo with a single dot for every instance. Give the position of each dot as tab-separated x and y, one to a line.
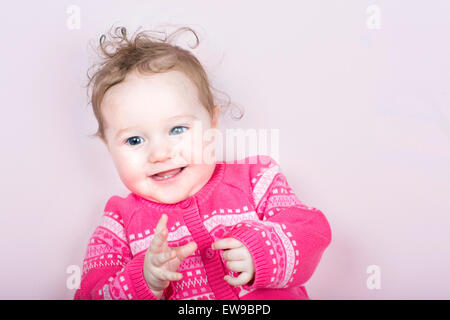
147	54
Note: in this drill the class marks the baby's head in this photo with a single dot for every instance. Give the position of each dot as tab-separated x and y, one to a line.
149	97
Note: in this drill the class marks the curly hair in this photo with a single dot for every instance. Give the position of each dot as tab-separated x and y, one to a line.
147	54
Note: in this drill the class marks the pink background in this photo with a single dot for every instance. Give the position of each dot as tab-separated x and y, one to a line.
364	120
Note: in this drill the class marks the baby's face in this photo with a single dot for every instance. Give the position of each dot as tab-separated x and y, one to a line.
149	126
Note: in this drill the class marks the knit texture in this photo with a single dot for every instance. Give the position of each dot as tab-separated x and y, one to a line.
249	200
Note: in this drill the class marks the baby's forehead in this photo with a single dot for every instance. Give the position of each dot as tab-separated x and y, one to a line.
171	88
171	79
168	87
133	103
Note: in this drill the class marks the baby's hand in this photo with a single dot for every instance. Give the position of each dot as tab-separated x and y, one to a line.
162	261
238	260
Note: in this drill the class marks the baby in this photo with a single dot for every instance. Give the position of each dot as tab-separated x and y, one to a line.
189	229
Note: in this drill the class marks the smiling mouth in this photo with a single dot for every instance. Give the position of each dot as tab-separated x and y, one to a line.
168	174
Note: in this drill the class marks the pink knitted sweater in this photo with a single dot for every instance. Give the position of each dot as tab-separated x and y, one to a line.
249	201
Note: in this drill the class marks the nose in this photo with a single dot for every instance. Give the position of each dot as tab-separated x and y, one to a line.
159	151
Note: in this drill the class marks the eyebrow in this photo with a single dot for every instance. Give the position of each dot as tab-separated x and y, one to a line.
181	116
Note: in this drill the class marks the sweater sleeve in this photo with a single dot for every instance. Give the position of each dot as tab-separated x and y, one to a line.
110	272
288	241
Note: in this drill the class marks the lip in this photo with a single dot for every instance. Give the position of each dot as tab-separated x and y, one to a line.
172	178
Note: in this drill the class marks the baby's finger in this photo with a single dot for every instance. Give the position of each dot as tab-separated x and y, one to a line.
237	266
159	259
227	243
158	241
186	250
236	254
242	279
166	275
162	223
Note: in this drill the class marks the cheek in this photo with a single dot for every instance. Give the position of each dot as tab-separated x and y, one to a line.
129	165
210	148
203	172
184	149
198	145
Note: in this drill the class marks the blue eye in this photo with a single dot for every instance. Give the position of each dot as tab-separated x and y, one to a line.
178	130
133	141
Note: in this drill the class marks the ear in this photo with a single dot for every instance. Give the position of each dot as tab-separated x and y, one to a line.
216	116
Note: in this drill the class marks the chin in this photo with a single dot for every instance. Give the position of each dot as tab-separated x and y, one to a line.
169	200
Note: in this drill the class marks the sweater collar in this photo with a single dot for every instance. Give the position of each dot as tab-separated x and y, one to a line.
202	195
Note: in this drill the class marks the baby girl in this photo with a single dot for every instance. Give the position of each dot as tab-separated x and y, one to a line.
188	229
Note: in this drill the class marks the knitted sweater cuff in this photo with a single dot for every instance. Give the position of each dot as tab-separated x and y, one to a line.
255	245
136	274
